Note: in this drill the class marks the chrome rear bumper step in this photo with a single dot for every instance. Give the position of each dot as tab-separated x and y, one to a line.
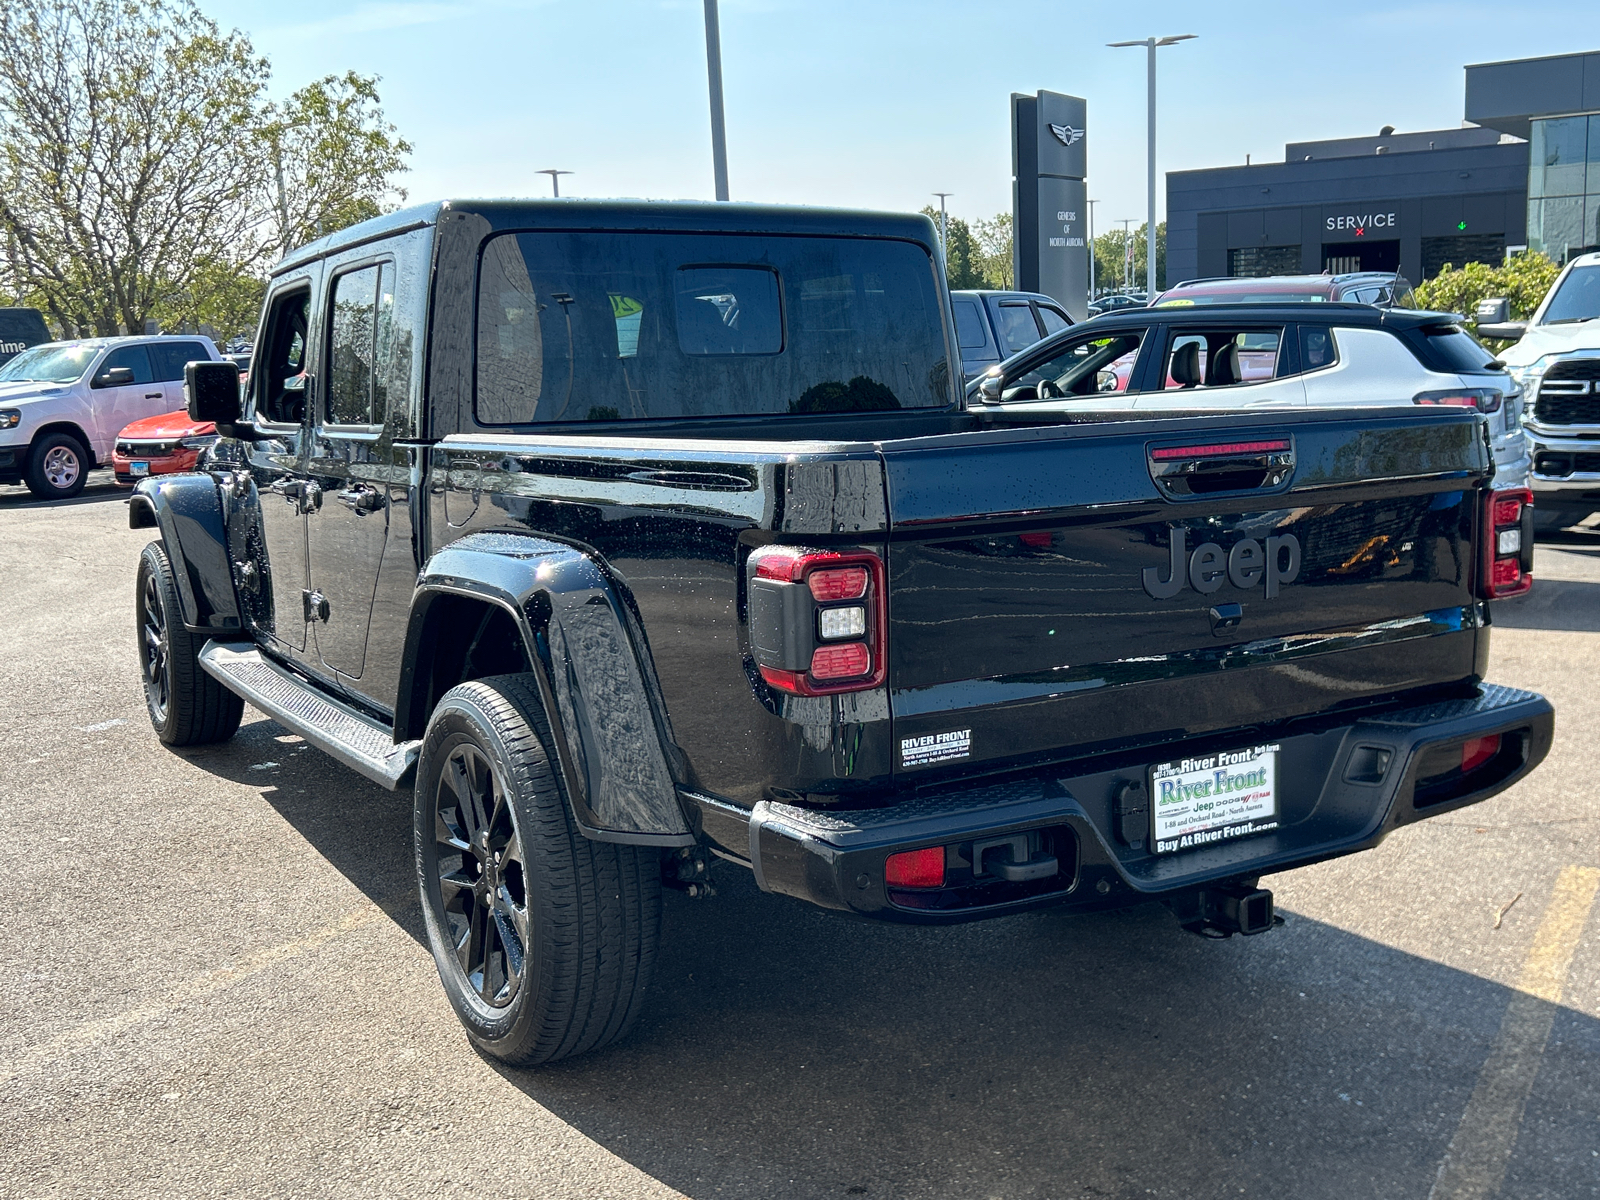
355	739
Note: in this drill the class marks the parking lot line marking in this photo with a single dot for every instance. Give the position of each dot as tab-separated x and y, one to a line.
1475	1165
198	987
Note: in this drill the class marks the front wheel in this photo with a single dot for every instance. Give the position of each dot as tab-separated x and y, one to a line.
58	467
186	706
545	941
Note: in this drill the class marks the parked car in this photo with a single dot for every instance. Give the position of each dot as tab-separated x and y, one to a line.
1117	300
1248	356
1556	359
991	326
709	563
161	445
1384	289
62	404
20	328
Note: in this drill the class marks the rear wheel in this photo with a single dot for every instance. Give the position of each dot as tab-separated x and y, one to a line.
58	465
186	706
545	941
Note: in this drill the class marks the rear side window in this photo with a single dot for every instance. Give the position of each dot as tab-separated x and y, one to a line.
169	358
969	325
1316	348
1018	329
601	326
1053	321
1454	349
1223	357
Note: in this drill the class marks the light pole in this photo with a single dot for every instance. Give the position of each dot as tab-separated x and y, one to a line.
944	229
555	179
1091	203
719	133
1152	45
1127	253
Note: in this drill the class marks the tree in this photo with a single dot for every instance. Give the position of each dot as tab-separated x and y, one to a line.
961	256
1523	280
137	163
1110	250
995	251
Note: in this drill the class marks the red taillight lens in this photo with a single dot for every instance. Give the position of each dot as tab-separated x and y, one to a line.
1507	510
838	583
915	868
1477	751
1506	573
1506	546
847	661
1485	400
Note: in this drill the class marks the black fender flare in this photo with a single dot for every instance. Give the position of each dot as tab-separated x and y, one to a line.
187	510
575	631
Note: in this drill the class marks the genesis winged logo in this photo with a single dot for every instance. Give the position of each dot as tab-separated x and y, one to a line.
1066	134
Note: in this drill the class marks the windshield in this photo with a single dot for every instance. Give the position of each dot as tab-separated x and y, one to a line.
1578	299
49	364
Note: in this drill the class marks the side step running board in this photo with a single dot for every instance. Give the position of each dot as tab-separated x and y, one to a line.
356	740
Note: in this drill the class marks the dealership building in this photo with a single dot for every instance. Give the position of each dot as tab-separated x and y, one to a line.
1524	171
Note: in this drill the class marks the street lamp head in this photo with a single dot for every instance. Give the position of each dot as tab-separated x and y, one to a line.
1182	37
1140	42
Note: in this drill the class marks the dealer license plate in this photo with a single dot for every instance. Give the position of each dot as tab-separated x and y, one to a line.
1213	798
138	468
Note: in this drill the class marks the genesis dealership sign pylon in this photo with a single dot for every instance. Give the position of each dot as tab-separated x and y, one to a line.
1049	216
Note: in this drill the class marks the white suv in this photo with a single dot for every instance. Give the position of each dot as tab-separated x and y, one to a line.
62	404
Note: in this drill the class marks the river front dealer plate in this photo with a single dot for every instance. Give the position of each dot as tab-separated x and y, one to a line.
1214	797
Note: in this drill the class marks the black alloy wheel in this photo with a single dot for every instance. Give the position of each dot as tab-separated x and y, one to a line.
479	872
545	941
187	707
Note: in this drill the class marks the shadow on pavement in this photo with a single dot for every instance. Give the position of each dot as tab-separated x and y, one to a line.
99	489
1552	604
788	1052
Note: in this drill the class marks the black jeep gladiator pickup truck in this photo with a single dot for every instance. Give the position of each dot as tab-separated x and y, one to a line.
633	536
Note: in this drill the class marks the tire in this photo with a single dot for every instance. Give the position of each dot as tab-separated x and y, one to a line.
58	467
1553	520
545	941
186	706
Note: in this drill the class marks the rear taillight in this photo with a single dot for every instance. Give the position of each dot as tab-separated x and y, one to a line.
817	619
1507	546
1485	400
1477	751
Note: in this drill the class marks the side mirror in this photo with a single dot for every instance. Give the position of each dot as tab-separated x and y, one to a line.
211	392
1510	331
989	388
114	377
1495	310
295	383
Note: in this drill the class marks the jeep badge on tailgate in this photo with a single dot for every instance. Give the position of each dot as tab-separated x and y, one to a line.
1244	565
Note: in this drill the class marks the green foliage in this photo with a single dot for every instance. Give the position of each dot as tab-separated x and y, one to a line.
1522	280
977	259
1110	250
995	251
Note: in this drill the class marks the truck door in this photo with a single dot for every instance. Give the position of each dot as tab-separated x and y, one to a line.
280	385
350	454
121	399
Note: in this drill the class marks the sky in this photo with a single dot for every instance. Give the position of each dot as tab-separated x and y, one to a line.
880	103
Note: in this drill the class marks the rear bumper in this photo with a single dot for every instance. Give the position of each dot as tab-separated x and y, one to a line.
835	859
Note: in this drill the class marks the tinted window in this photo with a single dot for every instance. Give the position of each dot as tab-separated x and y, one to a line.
1578	299
1454	349
617	326
721	310
169	358
353	347
133	357
1403	297
283	359
969	325
1054	322
1085	366
1017	328
1316	348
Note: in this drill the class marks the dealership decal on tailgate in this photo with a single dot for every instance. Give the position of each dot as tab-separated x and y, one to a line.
935	748
1197	801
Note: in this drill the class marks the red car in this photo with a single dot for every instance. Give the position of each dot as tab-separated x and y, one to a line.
160	445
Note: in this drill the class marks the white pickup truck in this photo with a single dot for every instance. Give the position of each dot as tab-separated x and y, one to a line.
1556	361
63	403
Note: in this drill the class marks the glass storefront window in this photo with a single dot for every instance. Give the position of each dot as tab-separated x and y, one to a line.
1564	185
1557	154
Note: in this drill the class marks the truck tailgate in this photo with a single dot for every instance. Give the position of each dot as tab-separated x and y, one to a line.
1035	609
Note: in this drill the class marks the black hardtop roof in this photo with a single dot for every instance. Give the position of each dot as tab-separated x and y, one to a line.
1287	313
676	216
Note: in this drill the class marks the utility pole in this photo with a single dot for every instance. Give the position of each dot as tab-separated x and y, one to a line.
283	206
555	179
944	230
719	132
1152	45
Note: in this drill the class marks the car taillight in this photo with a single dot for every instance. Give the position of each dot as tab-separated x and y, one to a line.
1507	546
1485	400
1477	751
817	619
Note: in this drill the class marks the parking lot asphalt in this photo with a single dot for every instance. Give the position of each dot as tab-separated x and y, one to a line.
212	984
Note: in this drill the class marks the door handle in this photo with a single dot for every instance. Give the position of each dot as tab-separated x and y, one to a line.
361	500
310	497
155	395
